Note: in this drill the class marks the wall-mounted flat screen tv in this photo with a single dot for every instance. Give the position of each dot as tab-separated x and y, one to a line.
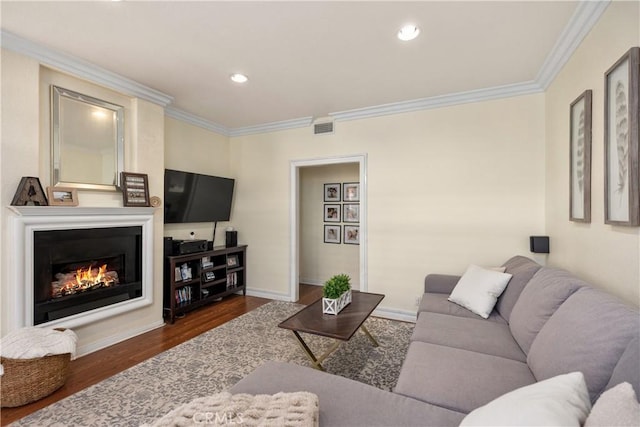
193	197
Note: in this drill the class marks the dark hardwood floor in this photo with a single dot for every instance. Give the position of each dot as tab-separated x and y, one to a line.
95	367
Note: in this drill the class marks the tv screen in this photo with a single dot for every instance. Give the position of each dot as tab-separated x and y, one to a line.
193	197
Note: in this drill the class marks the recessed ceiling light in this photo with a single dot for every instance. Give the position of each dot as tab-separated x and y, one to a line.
239	78
408	32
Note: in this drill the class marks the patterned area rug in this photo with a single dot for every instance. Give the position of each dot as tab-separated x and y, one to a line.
216	360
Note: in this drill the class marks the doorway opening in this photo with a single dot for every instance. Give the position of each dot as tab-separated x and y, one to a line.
298	171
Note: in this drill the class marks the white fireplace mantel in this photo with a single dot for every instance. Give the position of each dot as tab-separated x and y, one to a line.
25	220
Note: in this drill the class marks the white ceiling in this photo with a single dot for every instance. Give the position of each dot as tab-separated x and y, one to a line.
304	59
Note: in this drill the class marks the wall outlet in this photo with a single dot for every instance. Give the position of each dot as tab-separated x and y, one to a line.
418	299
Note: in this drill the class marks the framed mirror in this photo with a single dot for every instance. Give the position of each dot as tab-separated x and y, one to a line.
87	141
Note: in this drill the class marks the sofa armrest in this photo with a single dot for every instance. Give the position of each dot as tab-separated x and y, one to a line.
440	283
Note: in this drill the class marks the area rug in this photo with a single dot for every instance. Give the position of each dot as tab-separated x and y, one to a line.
216	360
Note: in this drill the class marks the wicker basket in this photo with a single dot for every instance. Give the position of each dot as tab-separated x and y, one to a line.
27	380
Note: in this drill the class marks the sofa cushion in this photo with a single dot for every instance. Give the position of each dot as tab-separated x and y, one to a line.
439	303
616	407
546	291
344	402
522	269
457	379
558	401
492	338
628	367
478	290
588	333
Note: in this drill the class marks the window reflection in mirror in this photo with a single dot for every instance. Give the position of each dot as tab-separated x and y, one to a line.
88	139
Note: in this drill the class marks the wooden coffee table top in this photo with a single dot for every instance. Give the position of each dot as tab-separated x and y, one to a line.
341	326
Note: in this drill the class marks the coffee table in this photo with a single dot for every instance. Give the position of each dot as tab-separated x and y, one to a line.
340	327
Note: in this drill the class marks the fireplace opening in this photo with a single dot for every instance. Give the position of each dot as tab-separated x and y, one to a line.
80	270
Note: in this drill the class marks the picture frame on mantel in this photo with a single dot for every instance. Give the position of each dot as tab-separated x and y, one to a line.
621	127
135	189
580	155
62	196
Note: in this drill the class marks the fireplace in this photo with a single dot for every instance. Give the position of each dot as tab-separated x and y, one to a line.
79	270
67	244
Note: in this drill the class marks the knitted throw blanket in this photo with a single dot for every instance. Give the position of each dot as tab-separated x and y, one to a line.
281	409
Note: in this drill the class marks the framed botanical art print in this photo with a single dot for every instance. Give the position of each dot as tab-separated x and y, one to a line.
331	213
351	234
351	192
332	192
580	155
621	97
332	234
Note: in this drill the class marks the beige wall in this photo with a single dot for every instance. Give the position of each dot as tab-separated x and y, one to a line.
193	149
608	256
26	153
446	188
318	260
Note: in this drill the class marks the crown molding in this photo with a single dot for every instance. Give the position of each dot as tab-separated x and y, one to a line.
272	127
82	69
439	101
184	116
586	15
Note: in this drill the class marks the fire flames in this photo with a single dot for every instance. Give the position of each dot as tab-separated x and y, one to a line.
82	280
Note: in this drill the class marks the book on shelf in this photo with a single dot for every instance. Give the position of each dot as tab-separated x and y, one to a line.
183	295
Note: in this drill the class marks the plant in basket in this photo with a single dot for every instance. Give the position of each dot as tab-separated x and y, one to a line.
336	294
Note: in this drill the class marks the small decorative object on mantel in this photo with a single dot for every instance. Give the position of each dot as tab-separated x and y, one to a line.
62	196
336	294
135	189
29	193
155	201
621	129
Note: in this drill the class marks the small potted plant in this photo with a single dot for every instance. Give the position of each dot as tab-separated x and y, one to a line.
336	294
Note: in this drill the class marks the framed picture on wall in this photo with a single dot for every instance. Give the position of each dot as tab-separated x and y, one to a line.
332	233
135	189
580	155
351	192
621	177
351	234
332	192
331	213
351	212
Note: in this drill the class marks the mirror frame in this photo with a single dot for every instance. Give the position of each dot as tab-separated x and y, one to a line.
57	93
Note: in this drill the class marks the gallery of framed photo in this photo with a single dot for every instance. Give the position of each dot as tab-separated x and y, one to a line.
580	154
135	189
331	213
351	212
332	192
352	234
621	98
62	196
332	233
351	192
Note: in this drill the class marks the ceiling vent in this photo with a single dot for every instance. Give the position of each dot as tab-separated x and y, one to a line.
322	128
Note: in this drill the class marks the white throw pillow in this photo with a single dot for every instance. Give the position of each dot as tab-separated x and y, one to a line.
558	401
617	406
478	289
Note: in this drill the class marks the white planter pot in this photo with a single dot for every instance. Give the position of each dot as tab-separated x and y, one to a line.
334	306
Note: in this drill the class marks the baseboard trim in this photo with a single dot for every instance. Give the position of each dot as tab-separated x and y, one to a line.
394	314
115	339
311	282
268	295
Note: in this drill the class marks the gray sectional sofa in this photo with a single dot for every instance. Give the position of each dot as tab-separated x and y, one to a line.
546	323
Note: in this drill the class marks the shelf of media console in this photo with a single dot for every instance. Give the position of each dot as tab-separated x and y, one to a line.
228	279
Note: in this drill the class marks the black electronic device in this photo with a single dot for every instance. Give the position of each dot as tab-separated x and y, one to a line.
168	246
231	239
209	276
192	197
183	247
